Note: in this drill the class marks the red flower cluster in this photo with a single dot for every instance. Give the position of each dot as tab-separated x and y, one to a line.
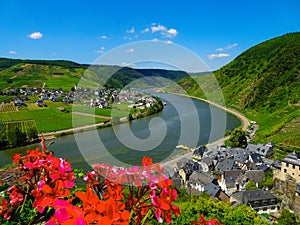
16	198
48	178
48	182
149	189
202	221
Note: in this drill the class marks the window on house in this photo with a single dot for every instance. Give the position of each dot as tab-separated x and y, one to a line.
293	166
287	164
284	170
293	174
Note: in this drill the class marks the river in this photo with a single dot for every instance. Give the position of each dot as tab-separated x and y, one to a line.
184	121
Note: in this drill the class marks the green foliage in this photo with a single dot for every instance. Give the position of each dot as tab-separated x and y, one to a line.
287	218
251	186
32	133
263	83
237	138
64	74
191	206
16	137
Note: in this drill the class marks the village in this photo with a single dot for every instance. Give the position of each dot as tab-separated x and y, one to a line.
241	176
101	98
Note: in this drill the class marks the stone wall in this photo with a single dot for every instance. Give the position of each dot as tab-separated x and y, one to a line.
286	190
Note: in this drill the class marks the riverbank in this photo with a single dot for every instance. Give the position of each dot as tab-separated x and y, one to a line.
136	114
244	120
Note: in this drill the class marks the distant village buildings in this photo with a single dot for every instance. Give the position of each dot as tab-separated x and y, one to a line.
101	98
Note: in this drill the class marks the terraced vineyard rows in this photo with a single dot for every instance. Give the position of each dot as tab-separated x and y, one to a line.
8	107
24	126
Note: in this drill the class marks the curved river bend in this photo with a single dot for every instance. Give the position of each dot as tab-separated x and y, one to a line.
184	121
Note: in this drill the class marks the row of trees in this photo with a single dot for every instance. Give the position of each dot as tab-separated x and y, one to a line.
14	137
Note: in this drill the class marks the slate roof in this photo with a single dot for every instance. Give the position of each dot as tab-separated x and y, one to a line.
181	163
263	167
260	148
251	147
200	151
292	158
208	161
255	175
226	164
251	166
212	189
240	155
169	171
210	153
256	158
201	177
262	196
231	178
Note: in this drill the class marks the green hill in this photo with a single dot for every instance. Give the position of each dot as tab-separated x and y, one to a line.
17	73
264	83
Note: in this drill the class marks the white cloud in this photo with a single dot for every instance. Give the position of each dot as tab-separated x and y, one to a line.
103	37
171	32
131	31
165	32
127	38
146	30
101	50
155	39
232	46
35	35
158	28
169	42
12	52
130	50
220	49
220	55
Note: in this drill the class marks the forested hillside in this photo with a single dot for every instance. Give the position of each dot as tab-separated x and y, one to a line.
264	83
17	73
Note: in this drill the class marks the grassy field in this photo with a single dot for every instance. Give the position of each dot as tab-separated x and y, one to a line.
49	118
118	111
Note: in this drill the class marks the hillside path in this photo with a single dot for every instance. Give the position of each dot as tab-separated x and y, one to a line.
50	135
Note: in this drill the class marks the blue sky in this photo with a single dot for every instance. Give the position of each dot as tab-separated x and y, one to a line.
81	31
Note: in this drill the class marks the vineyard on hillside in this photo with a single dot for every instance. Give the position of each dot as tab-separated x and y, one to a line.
24	126
8	107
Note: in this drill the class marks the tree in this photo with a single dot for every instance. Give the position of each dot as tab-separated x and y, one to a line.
2	134
16	137
237	138
287	218
251	186
32	133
